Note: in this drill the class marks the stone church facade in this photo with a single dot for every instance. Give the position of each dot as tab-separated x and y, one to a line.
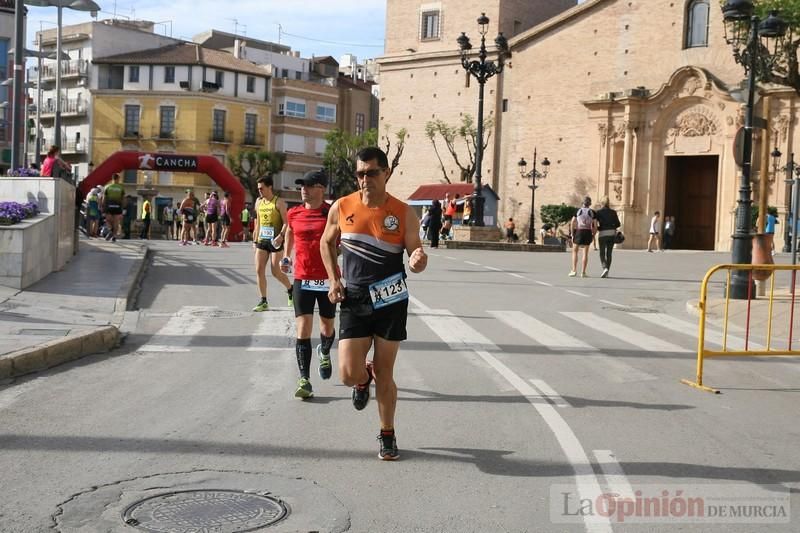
637	100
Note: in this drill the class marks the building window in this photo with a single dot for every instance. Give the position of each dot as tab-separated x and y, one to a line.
298	75
250	121
291	144
319	147
697	23
131	120
218	132
505	105
285	73
251	84
360	121
167	128
133	74
326	113
129	176
219	78
169	74
295	109
430	25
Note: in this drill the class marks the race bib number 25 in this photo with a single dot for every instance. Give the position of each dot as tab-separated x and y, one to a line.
388	291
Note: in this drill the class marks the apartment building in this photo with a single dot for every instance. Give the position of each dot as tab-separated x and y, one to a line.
80	78
182	98
6	71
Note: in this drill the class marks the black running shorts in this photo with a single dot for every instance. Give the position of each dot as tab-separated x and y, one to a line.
304	301
113	209
358	319
225	219
212	218
583	237
267	246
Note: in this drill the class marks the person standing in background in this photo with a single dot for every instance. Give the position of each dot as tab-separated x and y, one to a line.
669	231
607	226
435	222
655	231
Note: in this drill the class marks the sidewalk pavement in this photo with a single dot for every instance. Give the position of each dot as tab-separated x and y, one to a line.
759	318
72	313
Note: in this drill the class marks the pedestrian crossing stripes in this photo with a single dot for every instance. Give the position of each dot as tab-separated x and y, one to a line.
177	333
628	335
688	328
275	331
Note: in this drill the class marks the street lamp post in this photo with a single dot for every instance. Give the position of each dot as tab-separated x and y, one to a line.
77	5
533	175
744	31
482	70
792	181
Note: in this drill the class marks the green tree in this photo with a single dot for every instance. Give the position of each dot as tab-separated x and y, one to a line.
400	138
452	137
772	210
556	214
250	165
340	158
785	70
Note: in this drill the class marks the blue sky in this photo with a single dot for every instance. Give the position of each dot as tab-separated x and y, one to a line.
354	22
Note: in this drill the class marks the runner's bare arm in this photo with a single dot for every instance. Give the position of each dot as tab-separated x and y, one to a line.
417	258
256	225
281	205
288	243
328	249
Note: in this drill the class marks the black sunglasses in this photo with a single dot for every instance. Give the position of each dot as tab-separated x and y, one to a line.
371	173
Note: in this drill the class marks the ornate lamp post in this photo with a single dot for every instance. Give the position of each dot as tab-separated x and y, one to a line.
751	39
482	70
533	175
792	179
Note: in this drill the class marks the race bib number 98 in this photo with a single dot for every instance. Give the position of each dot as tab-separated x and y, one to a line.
266	233
388	291
318	285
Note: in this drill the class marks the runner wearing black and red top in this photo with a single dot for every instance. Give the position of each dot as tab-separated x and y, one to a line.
305	225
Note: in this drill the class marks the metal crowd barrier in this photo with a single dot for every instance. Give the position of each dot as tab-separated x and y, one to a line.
751	349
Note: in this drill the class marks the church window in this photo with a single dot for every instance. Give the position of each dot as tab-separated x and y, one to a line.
429	27
697	12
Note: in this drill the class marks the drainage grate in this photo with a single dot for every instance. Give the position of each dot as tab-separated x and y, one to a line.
220	511
47	332
217	313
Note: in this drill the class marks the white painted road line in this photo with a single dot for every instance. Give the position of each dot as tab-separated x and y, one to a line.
543	283
418	304
180	329
616	481
585	479
611	303
537	330
493	268
690	329
473	264
624	333
450	257
515	275
273	325
456	333
576	293
549	393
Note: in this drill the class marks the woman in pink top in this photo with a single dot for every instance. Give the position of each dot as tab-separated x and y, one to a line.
225	218
54	158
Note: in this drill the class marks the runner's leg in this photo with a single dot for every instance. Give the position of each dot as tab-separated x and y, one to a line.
352	360
277	274
385	387
261	258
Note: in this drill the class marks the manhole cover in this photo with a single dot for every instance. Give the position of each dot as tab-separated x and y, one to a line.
194	511
217	313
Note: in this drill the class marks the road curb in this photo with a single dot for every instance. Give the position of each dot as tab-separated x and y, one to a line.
58	351
72	347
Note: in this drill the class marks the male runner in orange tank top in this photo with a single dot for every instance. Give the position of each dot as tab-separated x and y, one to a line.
375	229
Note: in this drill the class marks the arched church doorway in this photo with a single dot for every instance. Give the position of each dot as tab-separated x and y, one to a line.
691	197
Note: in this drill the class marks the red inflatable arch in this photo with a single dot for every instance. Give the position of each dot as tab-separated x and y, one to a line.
154	161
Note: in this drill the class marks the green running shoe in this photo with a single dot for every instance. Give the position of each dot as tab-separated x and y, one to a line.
304	390
262	306
324	363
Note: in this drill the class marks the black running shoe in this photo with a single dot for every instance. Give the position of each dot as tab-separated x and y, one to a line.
361	392
388	451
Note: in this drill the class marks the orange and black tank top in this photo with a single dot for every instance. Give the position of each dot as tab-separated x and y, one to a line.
372	239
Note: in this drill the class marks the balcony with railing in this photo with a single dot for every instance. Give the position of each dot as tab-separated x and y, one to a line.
78	68
68	107
67	146
253	139
128	134
163	134
220	136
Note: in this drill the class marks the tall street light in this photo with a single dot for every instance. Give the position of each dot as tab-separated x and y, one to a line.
77	5
751	39
533	175
482	70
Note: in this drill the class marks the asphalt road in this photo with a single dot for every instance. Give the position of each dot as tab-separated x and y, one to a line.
525	396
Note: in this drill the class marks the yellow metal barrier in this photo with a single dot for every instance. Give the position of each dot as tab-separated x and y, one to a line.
703	352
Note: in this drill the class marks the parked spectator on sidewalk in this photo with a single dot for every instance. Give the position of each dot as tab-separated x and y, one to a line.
128	216
245	216
113	204
53	165
168	217
769	227
146	219
177	215
510	228
607	226
655	232
93	211
435	224
468	203
583	227
669	232
450	209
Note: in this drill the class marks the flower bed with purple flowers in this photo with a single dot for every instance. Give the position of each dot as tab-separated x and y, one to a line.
13	212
